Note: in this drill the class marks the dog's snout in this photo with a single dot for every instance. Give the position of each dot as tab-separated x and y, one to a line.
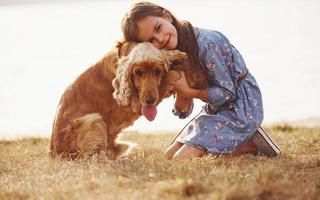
150	99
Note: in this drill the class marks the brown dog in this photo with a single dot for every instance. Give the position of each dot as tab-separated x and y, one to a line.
108	97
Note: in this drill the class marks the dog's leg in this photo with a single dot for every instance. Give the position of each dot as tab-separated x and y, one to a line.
119	149
116	148
124	148
90	133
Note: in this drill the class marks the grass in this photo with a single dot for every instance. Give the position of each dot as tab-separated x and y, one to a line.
27	172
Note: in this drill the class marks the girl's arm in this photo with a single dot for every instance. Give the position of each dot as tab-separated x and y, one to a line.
217	55
182	103
184	97
199	94
183	89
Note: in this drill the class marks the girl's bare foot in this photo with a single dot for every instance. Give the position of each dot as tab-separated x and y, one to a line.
248	147
188	151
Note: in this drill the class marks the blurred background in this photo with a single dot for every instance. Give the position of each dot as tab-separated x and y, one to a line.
45	45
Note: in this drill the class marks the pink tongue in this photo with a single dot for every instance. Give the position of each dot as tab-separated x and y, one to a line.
149	112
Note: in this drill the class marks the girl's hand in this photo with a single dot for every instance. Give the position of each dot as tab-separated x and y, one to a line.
182	88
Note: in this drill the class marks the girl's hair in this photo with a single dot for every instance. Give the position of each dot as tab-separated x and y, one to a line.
186	39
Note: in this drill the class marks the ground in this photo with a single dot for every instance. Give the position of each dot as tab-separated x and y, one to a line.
28	172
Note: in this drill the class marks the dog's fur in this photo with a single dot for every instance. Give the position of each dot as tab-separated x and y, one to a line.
108	97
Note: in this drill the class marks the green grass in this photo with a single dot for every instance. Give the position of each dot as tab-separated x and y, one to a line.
28	172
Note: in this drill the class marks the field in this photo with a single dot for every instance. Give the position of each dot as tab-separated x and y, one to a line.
28	172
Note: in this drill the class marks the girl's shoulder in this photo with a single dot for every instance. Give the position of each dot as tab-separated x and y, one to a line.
209	37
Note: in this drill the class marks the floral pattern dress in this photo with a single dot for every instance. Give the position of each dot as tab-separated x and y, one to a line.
234	110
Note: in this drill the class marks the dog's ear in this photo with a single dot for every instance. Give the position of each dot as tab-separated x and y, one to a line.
178	60
124	48
122	83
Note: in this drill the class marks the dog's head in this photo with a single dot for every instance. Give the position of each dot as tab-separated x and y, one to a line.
142	72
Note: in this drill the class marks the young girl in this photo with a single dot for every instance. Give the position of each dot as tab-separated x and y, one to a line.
230	120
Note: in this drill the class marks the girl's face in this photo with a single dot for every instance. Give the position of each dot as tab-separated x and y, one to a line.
159	31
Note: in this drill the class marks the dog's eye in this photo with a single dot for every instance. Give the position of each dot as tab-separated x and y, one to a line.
157	72
138	73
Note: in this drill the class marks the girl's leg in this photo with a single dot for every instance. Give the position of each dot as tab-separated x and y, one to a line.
174	147
184	151
188	151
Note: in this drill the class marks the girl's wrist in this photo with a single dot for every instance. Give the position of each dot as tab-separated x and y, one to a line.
182	102
183	106
199	94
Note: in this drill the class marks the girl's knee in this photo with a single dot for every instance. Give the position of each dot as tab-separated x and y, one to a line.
169	153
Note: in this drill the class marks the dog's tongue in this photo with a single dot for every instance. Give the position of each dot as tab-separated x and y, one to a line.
149	112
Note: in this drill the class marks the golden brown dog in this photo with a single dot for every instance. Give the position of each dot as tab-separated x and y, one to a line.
108	97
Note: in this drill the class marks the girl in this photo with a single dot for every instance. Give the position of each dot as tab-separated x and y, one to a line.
230	120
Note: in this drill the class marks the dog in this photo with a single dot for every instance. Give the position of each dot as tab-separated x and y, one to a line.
109	97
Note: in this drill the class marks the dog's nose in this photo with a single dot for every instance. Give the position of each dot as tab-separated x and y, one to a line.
150	99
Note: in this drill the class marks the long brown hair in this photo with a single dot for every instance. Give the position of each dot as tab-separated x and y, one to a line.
186	38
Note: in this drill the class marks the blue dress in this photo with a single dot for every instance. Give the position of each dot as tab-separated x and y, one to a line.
234	109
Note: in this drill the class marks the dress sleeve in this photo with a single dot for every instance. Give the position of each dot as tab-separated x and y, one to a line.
216	56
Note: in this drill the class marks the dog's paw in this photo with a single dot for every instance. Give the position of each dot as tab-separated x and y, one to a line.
132	150
120	149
